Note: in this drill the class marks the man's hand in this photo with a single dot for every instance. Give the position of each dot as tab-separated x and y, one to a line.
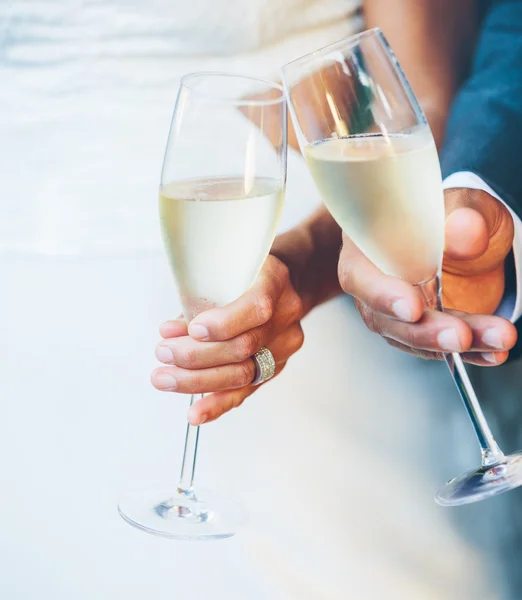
479	235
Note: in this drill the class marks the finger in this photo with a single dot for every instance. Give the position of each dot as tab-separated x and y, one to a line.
175	328
489	332
287	343
436	331
486	359
424	354
252	309
188	353
227	377
211	407
387	295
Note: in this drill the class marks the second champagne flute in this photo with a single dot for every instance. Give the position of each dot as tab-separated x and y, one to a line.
221	195
372	156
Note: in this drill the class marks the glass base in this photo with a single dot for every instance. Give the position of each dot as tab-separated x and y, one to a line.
483	483
181	515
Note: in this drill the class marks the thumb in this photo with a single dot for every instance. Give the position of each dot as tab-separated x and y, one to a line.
478	232
466	234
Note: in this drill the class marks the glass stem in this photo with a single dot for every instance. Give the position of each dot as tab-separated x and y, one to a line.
491	453
188	467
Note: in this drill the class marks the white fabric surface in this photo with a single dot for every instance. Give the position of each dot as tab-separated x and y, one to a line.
336	461
87	92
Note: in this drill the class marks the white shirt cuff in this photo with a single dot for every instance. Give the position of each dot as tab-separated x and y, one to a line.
511	305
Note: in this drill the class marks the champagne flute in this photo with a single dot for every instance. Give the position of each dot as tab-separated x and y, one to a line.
221	195
372	156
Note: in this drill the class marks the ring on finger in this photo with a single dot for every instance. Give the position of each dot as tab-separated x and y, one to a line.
265	366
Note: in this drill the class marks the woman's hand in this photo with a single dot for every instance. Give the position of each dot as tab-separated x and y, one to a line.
213	353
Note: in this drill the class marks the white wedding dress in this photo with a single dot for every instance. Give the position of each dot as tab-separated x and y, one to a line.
336	461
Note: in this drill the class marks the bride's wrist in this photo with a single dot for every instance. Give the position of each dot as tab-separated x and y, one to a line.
311	252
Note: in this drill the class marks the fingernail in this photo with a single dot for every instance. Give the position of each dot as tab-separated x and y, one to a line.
492	338
179	318
198	331
165	382
164	354
401	310
448	339
490	357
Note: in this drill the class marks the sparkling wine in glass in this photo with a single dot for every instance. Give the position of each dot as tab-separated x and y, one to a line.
220	199
372	156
